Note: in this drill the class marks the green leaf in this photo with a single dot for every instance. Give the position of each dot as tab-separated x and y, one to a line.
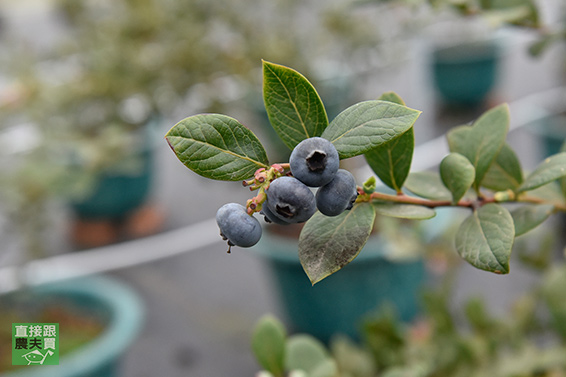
529	217
404	211
458	174
485	238
293	106
304	352
268	345
392	161
481	142
327	243
217	147
427	184
505	173
392	97
551	169
367	125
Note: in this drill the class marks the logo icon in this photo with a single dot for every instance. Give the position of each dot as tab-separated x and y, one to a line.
35	344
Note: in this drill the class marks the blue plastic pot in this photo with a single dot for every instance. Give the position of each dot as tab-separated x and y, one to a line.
338	303
464	75
114	301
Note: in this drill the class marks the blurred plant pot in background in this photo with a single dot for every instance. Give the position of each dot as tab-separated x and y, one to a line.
119	197
112	302
551	131
338	303
464	75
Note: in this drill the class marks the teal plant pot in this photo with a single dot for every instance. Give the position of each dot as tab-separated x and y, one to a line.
117	192
116	195
551	131
117	304
337	304
464	75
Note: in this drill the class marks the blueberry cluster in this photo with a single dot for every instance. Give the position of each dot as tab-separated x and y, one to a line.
288	199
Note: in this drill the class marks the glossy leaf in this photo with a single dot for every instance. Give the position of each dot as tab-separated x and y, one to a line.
458	174
293	105
392	161
482	141
217	147
367	125
427	184
551	169
268	345
327	243
404	211
485	238
505	173
529	217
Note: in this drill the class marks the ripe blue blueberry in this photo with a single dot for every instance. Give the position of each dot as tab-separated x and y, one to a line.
236	226
314	161
290	200
338	195
270	217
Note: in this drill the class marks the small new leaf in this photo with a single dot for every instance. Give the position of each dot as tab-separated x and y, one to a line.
306	353
268	345
293	105
367	125
327	244
551	169
458	174
218	147
485	238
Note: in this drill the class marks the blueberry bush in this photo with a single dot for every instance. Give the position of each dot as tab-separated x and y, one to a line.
481	173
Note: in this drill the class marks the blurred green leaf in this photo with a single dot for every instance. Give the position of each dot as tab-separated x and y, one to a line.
404	211
293	106
428	185
529	217
304	352
485	238
367	125
505	173
268	345
217	147
457	174
327	243
551	169
482	141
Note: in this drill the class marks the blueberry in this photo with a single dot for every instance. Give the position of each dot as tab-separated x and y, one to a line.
239	228
314	161
337	196
270	217
290	200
